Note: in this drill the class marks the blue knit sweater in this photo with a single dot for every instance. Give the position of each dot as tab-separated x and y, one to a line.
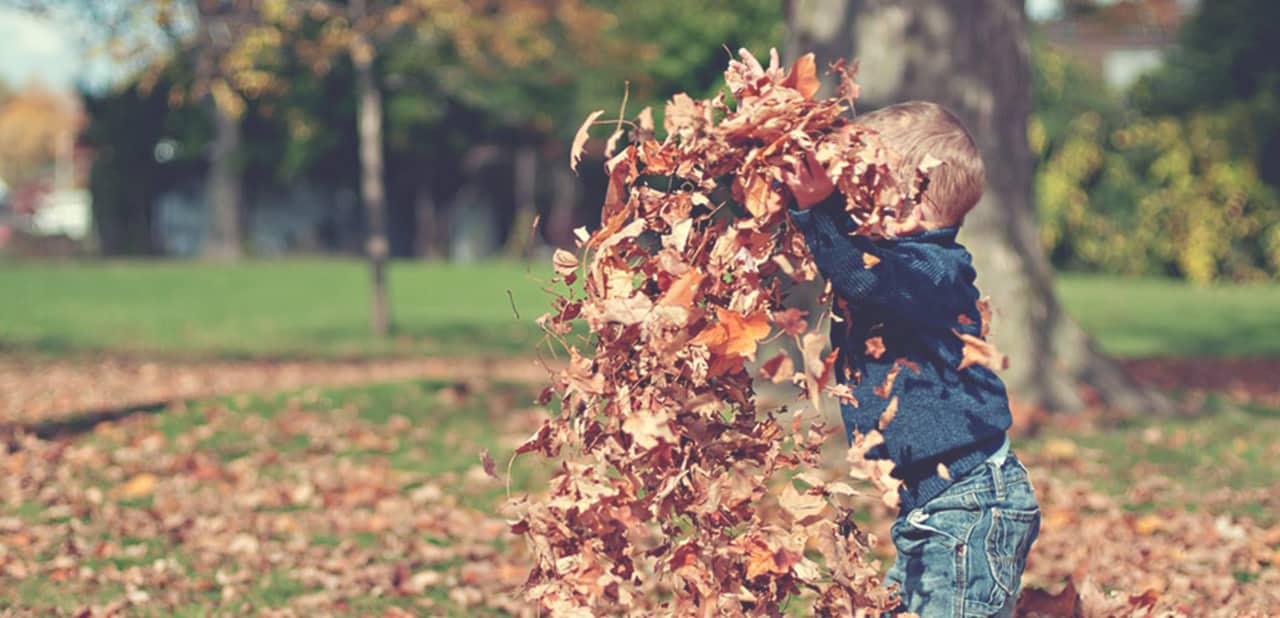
913	299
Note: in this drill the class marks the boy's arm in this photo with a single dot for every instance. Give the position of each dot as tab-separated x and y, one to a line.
920	282
912	281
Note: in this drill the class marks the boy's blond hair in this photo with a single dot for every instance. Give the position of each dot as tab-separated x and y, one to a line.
917	129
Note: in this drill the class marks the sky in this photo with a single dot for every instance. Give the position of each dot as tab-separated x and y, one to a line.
43	49
50	51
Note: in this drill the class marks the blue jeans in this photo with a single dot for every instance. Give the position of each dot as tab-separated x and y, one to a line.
962	553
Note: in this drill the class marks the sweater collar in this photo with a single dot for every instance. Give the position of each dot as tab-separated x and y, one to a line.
940	235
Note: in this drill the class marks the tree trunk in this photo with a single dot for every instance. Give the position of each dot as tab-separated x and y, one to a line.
426	221
224	187
973	57
372	188
526	186
559	226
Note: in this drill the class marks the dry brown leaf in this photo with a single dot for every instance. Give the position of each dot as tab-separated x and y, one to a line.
565	263
580	139
778	369
875	347
890	411
979	352
486	462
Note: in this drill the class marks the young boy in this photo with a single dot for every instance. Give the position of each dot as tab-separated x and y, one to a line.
968	513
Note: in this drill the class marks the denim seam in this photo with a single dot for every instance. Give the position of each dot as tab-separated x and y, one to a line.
962	566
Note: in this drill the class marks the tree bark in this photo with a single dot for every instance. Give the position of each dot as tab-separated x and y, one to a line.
526	186
559	226
425	216
225	187
973	57
372	187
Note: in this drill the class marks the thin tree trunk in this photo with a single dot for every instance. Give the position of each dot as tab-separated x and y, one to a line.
559	227
225	187
526	185
425	242
973	57
372	188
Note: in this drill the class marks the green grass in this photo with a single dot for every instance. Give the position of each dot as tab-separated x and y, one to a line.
1166	317
265	308
315	307
1229	448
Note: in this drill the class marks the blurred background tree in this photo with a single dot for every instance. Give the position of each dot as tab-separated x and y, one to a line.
1177	176
259	127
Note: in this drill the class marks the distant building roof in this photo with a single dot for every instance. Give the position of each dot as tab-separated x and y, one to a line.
1121	40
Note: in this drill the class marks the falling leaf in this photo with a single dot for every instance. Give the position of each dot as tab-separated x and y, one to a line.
979	352
804	76
886	387
735	334
943	471
778	369
890	411
565	263
875	347
791	321
803	508
487	462
580	140
869	260
683	290
612	143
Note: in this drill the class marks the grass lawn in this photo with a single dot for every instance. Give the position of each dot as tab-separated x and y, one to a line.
318	307
282	308
1166	317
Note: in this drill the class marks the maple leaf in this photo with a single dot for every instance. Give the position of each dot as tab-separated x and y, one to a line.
734	334
683	290
580	140
762	559
803	76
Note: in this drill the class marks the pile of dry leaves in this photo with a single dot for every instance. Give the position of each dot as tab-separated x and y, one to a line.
662	501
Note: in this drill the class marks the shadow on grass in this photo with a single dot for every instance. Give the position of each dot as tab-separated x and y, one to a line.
76	425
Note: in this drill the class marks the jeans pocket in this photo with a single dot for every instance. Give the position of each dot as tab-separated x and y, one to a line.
1008	541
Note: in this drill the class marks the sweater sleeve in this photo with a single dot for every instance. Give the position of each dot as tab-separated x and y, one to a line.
920	282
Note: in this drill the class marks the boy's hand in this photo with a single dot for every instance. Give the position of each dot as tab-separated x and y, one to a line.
808	182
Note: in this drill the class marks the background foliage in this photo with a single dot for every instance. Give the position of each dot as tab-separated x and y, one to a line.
1176	177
